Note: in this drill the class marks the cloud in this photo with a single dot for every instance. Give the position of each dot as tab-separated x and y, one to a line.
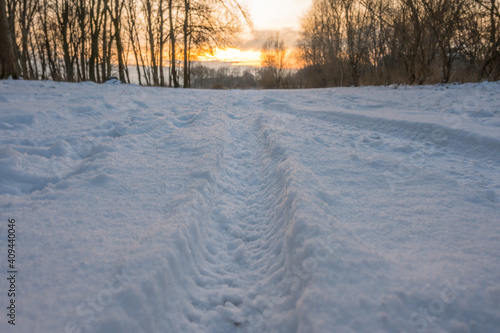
256	40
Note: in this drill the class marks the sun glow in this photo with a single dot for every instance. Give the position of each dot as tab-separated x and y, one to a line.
233	56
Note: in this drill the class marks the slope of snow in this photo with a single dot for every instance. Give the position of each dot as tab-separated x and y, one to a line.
339	210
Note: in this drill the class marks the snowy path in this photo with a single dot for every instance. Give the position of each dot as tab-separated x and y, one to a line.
246	218
336	210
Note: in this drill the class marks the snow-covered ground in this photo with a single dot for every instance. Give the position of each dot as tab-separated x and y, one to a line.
339	210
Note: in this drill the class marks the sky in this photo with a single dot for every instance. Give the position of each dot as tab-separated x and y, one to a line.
277	14
268	16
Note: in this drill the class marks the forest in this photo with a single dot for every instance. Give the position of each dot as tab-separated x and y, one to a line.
91	40
374	42
342	42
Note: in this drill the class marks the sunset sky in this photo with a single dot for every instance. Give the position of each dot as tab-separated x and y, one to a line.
277	14
268	17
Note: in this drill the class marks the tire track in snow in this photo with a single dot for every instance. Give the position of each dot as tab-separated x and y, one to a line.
416	145
343	152
247	223
274	237
445	131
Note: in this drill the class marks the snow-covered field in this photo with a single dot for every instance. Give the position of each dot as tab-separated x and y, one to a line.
336	210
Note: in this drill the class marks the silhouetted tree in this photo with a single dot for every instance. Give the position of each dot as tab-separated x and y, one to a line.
404	41
274	62
7	56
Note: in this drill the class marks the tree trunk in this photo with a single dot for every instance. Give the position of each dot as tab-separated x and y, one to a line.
172	41
7	57
161	41
132	18
104	46
82	20
185	30
119	53
151	38
95	23
119	46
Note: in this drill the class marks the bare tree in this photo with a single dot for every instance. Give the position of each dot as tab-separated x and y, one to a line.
444	17
209	24
161	39
96	25
490	67
115	9
82	19
187	33
274	62
320	47
27	10
173	42
411	41
7	56
131	9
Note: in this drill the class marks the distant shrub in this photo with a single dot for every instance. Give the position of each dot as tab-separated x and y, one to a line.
217	85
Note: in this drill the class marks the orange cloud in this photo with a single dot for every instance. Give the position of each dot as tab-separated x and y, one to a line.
233	56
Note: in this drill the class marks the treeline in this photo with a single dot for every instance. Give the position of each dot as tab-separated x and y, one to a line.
234	77
361	42
81	40
224	77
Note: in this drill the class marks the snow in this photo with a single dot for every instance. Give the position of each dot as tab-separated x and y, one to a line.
370	209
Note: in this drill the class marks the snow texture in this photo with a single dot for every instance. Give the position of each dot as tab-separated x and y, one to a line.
337	210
